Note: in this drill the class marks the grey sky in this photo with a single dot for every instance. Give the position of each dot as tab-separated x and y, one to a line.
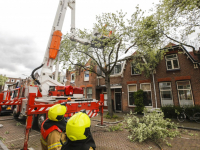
26	24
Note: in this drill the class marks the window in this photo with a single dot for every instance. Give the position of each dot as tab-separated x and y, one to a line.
12	80
134	70
116	69
184	93
73	77
166	93
8	80
105	100
83	92
146	87
172	62
131	90
86	76
89	92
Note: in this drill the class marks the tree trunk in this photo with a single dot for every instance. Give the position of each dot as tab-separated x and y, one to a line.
109	102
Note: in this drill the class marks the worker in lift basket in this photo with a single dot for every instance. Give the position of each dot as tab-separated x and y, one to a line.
53	128
78	133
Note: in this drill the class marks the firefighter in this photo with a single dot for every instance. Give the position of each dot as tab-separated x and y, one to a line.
78	133
53	128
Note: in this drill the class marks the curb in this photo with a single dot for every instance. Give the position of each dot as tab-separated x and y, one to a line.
3	146
107	121
189	128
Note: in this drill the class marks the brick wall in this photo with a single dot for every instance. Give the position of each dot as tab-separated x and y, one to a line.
186	72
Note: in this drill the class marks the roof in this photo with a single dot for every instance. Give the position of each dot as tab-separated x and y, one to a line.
190	54
126	55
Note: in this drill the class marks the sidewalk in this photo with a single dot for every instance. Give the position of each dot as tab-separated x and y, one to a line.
104	140
186	124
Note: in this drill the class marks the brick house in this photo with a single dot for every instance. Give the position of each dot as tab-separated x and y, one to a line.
11	81
176	82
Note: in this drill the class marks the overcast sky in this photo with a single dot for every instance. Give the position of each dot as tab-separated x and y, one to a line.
26	25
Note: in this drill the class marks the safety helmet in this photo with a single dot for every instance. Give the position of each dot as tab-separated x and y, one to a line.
78	126
57	112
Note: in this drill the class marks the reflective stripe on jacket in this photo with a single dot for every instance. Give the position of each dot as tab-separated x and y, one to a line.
52	142
50	138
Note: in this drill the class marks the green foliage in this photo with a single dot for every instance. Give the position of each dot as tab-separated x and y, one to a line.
178	19
149	41
180	13
117	127
3	79
138	97
115	117
18	124
2	139
190	110
7	132
152	126
190	134
170	111
107	116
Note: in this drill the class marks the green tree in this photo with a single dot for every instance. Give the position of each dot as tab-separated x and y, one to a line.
111	36
181	13
149	44
107	43
138	98
2	81
179	19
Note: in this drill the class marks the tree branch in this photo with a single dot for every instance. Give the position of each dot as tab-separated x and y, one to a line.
130	47
195	52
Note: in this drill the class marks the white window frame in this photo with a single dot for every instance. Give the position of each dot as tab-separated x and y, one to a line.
172	63
73	80
105	99
86	78
12	80
132	65
185	102
89	93
114	69
147	90
128	94
168	102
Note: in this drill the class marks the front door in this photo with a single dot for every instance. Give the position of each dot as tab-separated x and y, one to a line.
118	101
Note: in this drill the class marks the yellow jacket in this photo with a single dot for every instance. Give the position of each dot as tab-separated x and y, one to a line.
52	141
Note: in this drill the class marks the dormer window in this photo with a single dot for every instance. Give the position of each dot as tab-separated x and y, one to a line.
134	70
172	62
117	69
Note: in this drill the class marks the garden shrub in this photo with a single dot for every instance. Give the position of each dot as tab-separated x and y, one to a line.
138	101
152	126
107	116
117	127
171	111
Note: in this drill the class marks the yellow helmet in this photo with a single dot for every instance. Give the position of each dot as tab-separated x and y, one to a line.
78	126
57	112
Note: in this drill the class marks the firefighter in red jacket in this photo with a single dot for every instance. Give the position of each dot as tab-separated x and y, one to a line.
78	133
53	128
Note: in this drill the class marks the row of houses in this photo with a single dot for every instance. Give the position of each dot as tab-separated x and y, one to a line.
176	81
